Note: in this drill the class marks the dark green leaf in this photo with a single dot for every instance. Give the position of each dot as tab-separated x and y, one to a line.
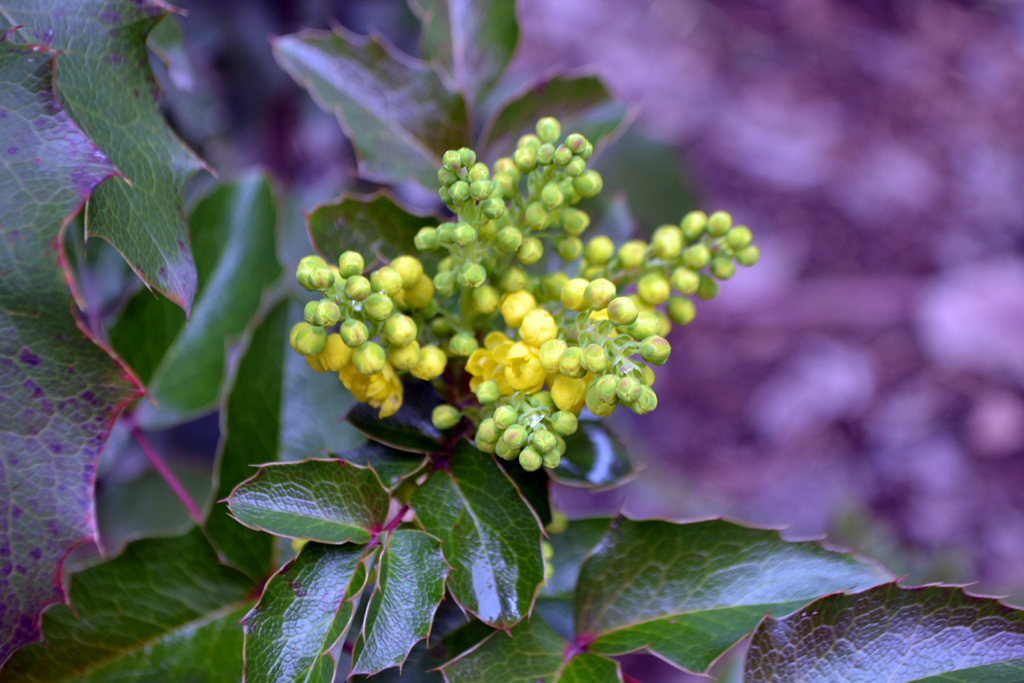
410	586
391	465
373	224
330	501
582	105
232	231
104	80
410	429
571	548
534	486
59	392
688	592
474	41
164	605
305	608
591	668
594	458
490	537
396	110
891	634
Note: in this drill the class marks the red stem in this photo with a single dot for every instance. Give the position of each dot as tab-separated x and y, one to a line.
168	476
393	524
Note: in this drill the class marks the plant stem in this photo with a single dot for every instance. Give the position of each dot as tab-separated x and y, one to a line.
164	471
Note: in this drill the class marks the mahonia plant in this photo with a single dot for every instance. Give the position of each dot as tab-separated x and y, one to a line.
538	346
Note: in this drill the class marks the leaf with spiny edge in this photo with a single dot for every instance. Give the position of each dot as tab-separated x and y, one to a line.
594	458
391	465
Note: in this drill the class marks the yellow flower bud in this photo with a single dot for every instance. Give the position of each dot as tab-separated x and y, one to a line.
667	242
569	394
351	263
399	330
369	359
308	339
599	293
432	363
421	293
574	294
681	310
538	327
515	306
485	299
335	355
653	289
551	354
599	251
405	357
523	371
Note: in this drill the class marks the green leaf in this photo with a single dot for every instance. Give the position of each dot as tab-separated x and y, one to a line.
891	634
474	41
591	668
163	605
571	548
410	586
104	80
232	231
489	536
534	487
410	429
372	224
594	458
688	592
391	465
582	105
59	392
306	607
330	501
396	110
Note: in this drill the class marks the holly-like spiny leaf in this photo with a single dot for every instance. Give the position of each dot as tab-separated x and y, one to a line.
391	465
409	429
306	607
535	488
410	586
104	80
688	592
474	41
232	231
489	536
330	501
59	391
570	549
594	458
398	113
163	604
892	634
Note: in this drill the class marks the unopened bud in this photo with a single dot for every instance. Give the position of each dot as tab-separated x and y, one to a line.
551	354
357	288
426	239
406	357
481	189
597	405
446	234
515	436
644	326
529	141
354	333
655	350
552	283
485	299
564	422
549	129
542	399
387	280
599	293
667	242
444	283
697	256
719	223
681	310
647	402
505	417
573	294
463	344
488	432
748	256
351	263
570	363
722	267
738	237
530	459
464	234
525	159
537	216
546	153
431	364
588	184
488	392
653	289
514	280
492	208
471	275
594	359
531	251
317	279
309	311
445	416
708	288
459	192
563	155
575	167
502	450
446	177
409	268
631	254
574	221
307	339
622	311
569	248
399	330
551	460
628	390
693	225
552	196
451	160
685	281
369	359
467	156
599	251
508	239
544	441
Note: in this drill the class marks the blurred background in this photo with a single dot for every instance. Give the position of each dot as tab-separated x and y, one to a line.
864	381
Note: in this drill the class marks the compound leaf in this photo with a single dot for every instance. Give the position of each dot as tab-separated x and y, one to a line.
570	549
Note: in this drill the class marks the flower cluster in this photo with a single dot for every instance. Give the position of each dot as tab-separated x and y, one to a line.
538	346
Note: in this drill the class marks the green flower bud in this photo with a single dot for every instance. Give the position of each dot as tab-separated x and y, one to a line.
409	268
551	461
445	416
529	141
481	189
486	299
564	422
546	153
748	256
445	233
327	314
622	311
667	242
537	217
597	405
563	155
599	251
378	306
531	251
575	167
488	432
549	129
451	160
502	450
309	311
483	446
399	330
406	357
508	239
514	280
647	376
505	417
311	263
605	388
693	225
426	239
653	289
738	238
492	208
369	359
506	164
446	177
571	364
445	196
551	354
315	279
552	196
464	235
471	275
357	288
507	183
722	267
552	284
631	254
439	327
719	223
544	441
576	142
530	459
351	263
574	221
588	184
664	324
488	231
645	325
681	311
463	344
708	288
307	339
444	283
542	399
588	151
569	248
599	293
655	350
627	390
685	281
647	402
387	280
594	359
488	392
697	256
573	295
478	172
514	436
459	192
525	159
467	156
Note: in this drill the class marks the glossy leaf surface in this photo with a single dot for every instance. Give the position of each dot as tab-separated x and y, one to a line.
373	224
594	458
688	592
163	602
396	110
489	536
410	586
892	634
391	465
410	429
534	487
330	501
571	548
59	392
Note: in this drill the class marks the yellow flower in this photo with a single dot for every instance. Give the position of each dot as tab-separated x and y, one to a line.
569	394
484	366
522	368
515	306
333	358
431	364
598	316
538	327
383	390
